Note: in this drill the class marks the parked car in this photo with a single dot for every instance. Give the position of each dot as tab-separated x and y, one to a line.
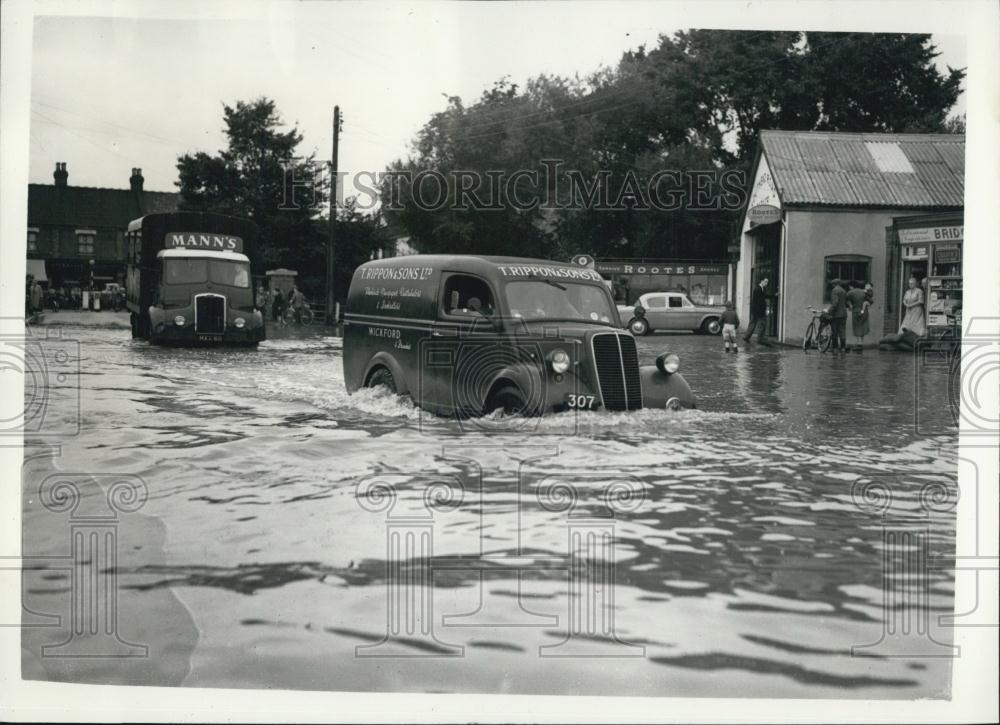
670	311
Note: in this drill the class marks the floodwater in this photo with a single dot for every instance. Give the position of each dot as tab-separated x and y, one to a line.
288	527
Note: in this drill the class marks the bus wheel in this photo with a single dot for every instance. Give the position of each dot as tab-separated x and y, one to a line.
382	377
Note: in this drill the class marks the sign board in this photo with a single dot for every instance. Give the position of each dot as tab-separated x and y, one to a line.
932	234
764	192
915	251
583	260
660	268
203	240
764	214
947	253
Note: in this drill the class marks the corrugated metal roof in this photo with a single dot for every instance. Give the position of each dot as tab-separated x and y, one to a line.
867	169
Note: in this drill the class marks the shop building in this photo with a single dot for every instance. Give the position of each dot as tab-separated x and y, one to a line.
75	233
705	282
833	205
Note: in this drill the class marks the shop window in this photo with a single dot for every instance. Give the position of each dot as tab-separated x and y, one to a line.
845	267
32	240
85	244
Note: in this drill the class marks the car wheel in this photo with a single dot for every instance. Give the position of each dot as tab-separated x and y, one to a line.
638	326
711	326
382	377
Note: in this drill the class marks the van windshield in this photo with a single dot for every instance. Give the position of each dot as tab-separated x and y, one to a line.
559	300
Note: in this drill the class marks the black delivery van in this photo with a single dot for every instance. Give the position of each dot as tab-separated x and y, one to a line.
468	335
189	279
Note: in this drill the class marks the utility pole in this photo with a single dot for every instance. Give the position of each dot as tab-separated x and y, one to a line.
331	297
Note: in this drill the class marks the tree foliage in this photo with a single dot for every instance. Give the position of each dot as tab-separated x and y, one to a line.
697	101
260	176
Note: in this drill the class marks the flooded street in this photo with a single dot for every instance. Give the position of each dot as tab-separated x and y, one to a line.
289	526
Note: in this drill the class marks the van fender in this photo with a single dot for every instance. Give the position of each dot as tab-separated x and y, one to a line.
384	359
660	389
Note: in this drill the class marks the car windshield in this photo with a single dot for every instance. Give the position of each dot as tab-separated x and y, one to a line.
194	271
559	300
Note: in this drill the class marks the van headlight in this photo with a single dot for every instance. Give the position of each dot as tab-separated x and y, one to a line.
668	363
559	359
239	322
179	320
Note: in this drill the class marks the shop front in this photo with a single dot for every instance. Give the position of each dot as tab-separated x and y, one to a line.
705	283
927	248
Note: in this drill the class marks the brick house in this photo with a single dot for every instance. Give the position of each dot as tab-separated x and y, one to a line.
74	231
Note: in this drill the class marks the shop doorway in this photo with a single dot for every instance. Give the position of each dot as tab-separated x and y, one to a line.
767	263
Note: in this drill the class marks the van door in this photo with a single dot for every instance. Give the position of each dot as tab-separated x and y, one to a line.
462	356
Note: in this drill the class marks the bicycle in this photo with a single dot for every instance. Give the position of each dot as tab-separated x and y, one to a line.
306	316
819	333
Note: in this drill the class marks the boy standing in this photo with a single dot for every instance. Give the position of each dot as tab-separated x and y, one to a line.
730	323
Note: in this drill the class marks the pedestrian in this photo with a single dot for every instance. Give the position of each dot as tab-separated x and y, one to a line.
758	312
297	300
858	301
261	298
277	305
730	324
838	316
37	295
913	301
29	281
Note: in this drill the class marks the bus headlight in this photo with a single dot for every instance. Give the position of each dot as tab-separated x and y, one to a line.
179	320
239	322
668	363
559	359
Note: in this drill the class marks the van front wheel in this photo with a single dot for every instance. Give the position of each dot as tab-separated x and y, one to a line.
509	400
382	377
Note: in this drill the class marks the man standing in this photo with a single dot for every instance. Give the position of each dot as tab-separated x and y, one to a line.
297	301
758	312
838	316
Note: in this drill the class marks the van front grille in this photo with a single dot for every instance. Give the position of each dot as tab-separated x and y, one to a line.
617	362
210	314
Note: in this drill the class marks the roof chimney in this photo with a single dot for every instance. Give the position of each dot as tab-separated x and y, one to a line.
60	174
135	180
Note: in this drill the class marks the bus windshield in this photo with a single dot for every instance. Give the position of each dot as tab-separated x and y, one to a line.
541	299
197	271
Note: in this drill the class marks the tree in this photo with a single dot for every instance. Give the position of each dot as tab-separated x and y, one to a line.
696	102
253	177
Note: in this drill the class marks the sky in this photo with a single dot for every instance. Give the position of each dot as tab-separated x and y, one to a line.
112	93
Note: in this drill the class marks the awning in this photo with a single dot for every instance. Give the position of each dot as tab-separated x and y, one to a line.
36	268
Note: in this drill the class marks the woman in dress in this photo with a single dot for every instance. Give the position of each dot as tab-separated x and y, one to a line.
858	300
913	326
913	301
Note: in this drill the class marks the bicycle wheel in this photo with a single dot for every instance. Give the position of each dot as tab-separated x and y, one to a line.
307	316
807	341
824	337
